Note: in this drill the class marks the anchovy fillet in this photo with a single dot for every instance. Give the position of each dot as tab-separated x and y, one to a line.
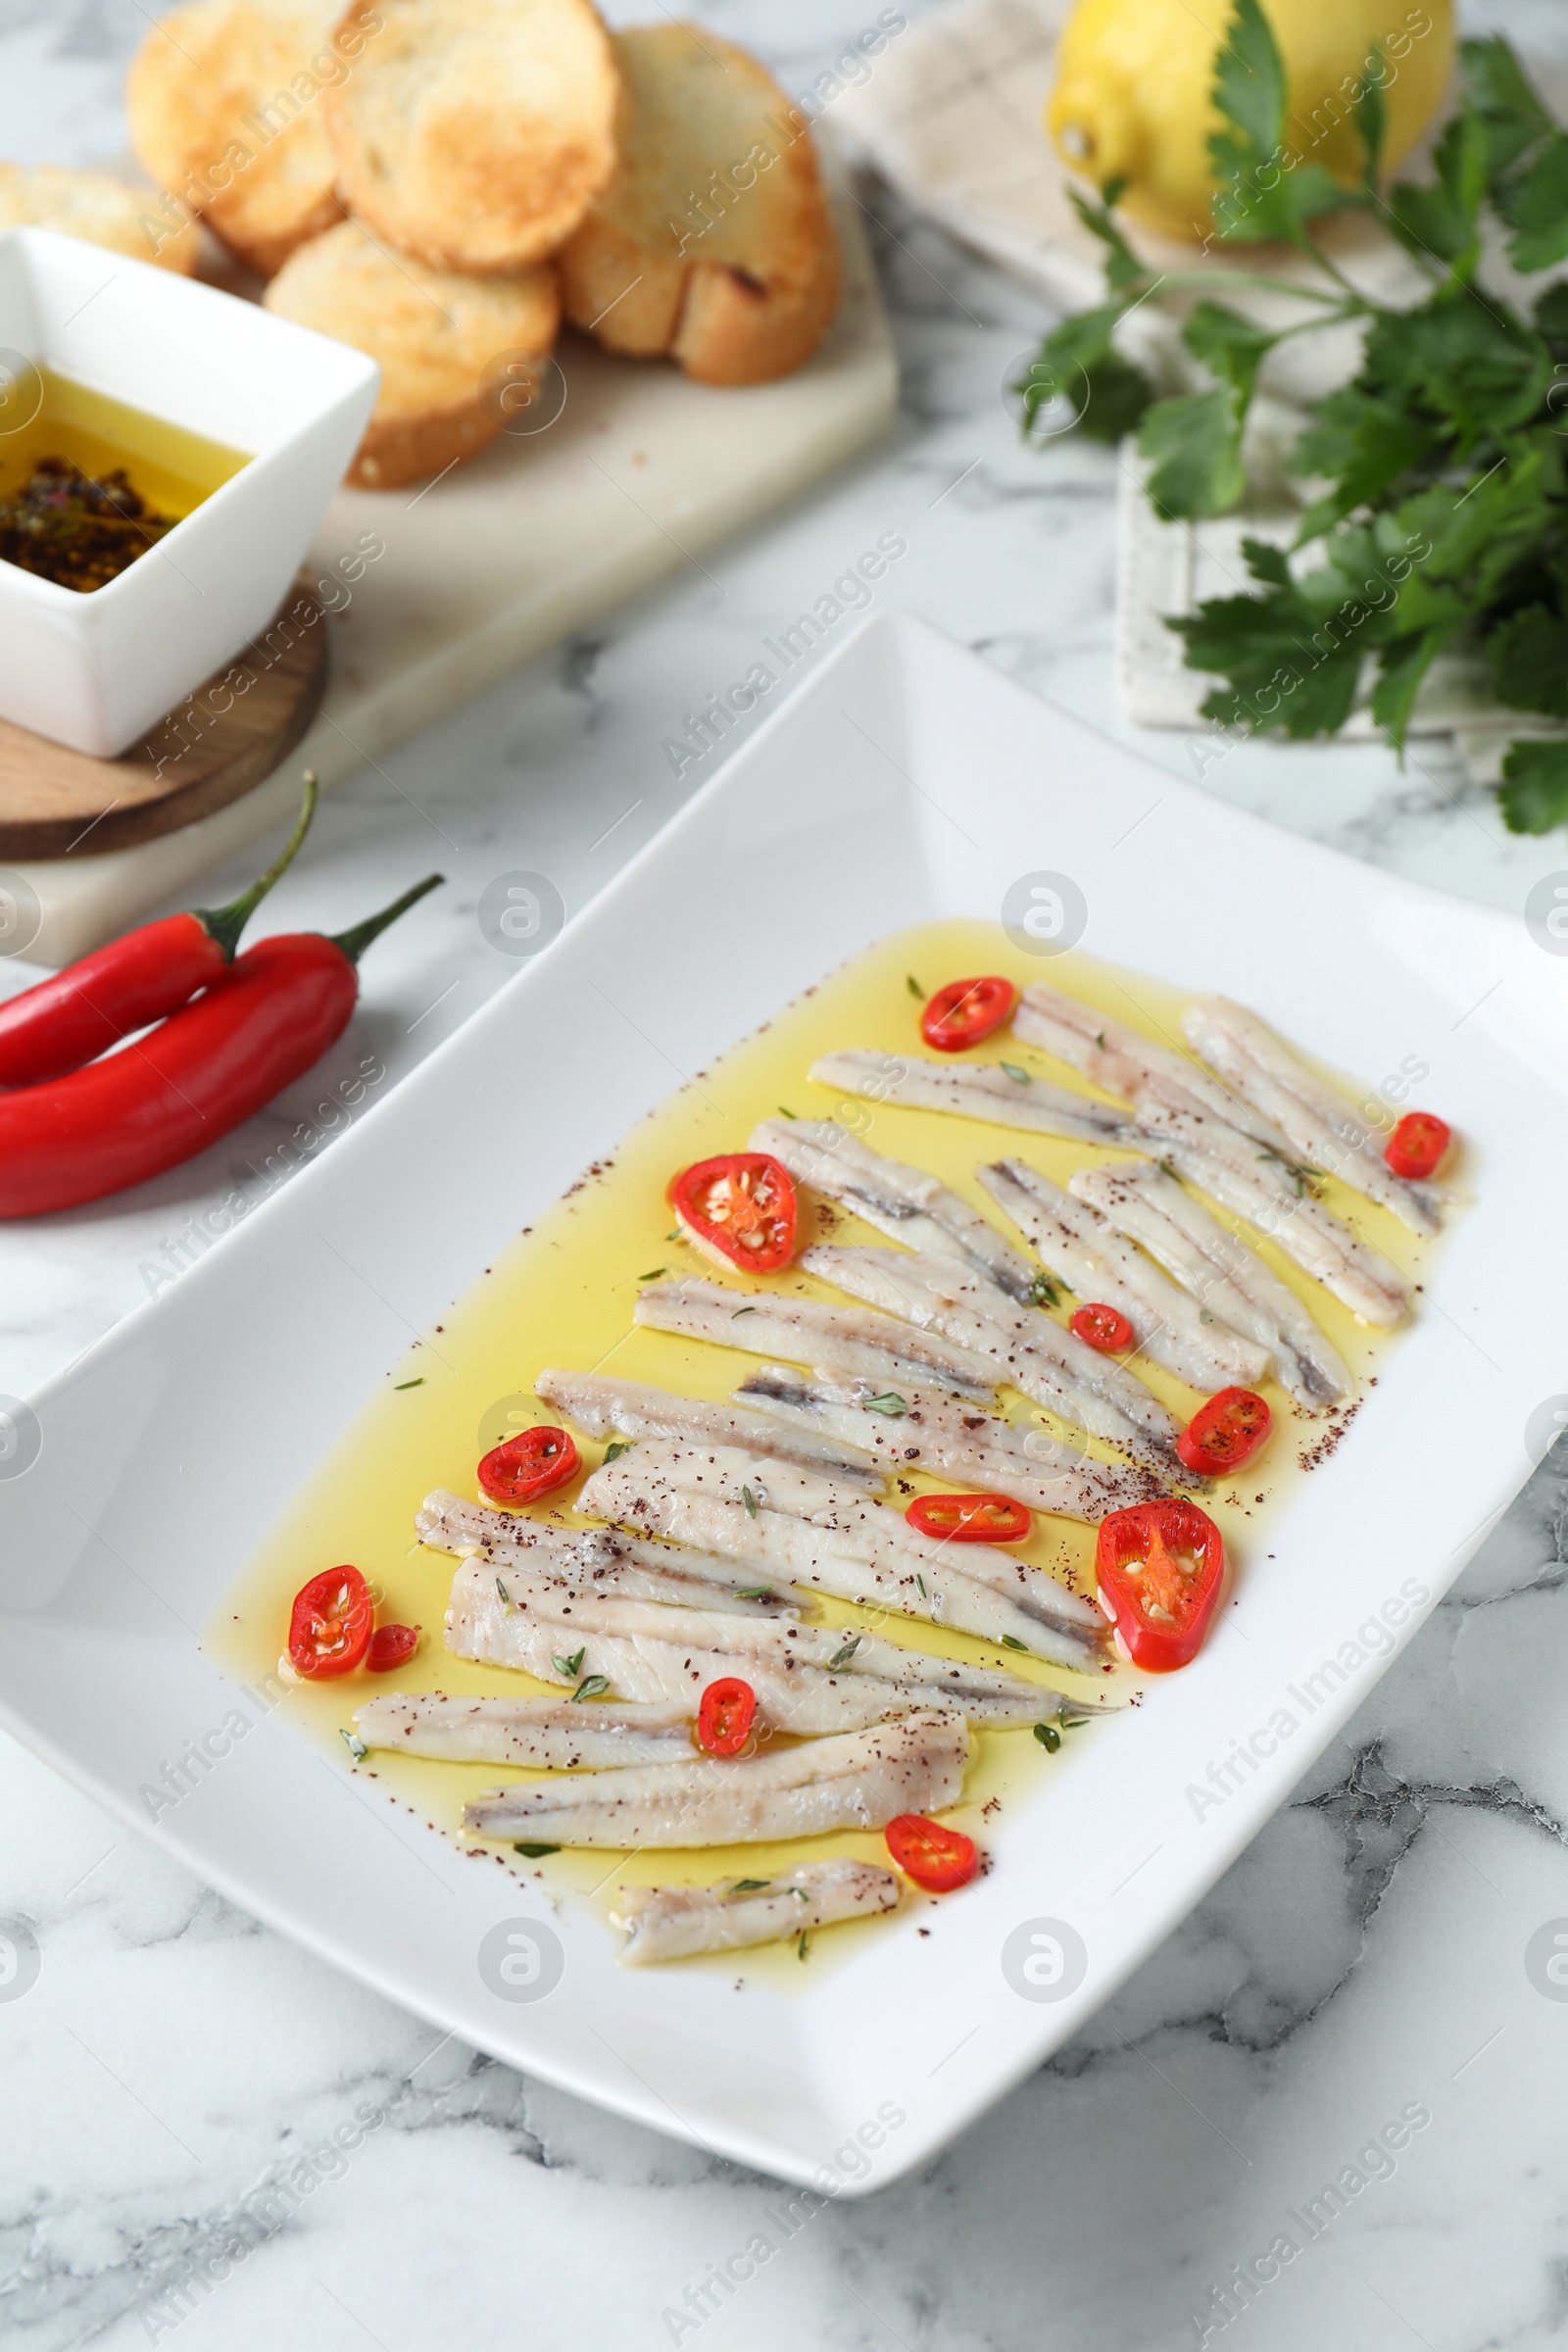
973	1090
808	1680
901	1202
856	1781
553	1731
1257	1185
1125	1062
1322	1126
759	1487
1080	1385
805	1331
592	1561
625	1408
676	1923
1078	1243
855	1550
920	1429
1222	1272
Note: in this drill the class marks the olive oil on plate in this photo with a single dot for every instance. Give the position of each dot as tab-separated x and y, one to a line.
563	1293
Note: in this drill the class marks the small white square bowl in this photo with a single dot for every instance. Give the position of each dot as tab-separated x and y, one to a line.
96	670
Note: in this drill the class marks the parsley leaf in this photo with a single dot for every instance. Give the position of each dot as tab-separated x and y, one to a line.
1194	443
1231	345
1288	666
1076	363
1442	218
1535	208
1535	787
1263	192
1529	656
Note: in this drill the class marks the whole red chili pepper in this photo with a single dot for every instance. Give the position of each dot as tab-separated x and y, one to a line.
202	1071
119	989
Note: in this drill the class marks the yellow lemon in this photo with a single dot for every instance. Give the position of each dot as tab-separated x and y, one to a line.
1132	101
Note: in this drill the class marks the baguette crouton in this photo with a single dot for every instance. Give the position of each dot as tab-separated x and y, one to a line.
712	243
438	339
225	104
477	132
97	209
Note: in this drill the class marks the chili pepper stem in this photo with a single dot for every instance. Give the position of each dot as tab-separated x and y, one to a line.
354	943
224	924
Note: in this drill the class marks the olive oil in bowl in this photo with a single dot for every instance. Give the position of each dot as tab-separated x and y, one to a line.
88	484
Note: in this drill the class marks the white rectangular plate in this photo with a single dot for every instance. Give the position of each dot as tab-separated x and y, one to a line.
906	781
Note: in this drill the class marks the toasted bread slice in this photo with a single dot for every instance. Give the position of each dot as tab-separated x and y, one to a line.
97	209
224	100
713	242
477	132
451	350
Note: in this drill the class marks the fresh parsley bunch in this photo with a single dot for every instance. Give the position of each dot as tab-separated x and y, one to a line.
1446	516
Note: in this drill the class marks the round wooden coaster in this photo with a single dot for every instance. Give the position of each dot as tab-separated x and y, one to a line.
217	744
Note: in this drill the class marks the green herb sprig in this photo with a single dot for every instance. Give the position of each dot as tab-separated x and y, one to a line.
1442	516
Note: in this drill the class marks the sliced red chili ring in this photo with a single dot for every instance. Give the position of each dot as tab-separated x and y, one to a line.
1225	1433
329	1624
935	1858
391	1645
739	1208
1417	1145
1160	1568
967	1011
970	1518
533	1463
1103	1327
725	1713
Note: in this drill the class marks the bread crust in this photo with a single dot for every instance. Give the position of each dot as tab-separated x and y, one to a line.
714	243
225	104
99	210
436	336
477	132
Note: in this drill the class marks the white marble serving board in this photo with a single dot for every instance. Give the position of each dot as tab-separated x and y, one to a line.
641	472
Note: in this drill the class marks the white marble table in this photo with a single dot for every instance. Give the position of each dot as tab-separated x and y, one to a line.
174	2060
